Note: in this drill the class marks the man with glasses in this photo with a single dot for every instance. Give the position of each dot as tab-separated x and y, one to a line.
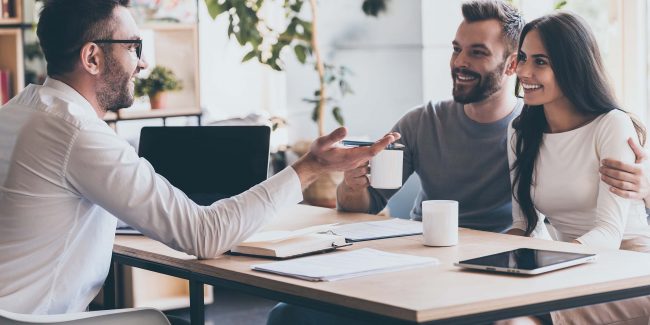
64	173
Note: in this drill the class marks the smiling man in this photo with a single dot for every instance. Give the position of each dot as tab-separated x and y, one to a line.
65	174
457	147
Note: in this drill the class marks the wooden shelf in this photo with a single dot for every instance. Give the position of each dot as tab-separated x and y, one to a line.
127	114
11	21
11	57
17	17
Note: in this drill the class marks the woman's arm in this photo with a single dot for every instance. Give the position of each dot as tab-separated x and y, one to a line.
611	209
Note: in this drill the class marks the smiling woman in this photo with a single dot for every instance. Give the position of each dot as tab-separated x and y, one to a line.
570	122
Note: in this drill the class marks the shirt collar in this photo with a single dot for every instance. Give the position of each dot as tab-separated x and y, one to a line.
71	94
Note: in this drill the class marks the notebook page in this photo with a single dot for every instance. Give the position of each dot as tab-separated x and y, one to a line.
379	229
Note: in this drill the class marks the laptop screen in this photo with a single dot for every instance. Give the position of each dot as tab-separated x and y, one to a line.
208	163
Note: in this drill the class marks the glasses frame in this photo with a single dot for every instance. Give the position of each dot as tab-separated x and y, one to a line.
138	50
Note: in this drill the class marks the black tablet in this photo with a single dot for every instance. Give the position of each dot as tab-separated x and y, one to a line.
526	261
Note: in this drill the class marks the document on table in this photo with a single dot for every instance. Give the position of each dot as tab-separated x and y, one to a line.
343	265
378	229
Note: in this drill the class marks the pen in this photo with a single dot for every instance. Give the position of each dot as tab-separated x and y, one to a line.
391	146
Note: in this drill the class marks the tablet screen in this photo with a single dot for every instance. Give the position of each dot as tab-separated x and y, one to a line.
525	259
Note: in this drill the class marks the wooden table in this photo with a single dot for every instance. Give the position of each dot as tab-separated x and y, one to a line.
440	294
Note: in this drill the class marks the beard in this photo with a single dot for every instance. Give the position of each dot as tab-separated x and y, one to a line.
113	91
486	85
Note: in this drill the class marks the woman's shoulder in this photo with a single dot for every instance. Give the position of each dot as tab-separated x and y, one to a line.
614	127
616	116
615	120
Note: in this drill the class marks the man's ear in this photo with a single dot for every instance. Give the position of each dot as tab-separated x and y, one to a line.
511	64
92	58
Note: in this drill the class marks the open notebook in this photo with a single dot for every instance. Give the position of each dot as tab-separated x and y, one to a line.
285	244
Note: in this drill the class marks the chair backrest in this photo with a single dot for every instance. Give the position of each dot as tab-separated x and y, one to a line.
139	316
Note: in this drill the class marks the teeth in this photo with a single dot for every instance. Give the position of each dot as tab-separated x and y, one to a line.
465	78
530	86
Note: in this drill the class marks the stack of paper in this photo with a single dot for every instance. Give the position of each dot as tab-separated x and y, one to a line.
379	229
343	265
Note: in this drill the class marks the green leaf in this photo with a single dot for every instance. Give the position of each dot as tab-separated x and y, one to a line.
301	53
338	116
296	6
214	8
306	26
345	87
373	7
560	4
315	113
249	56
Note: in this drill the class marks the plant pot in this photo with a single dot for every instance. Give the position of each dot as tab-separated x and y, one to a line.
158	100
322	192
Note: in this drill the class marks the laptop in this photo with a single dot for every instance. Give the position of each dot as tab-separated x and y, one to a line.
208	163
526	261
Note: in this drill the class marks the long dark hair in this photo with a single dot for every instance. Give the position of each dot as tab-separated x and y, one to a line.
577	65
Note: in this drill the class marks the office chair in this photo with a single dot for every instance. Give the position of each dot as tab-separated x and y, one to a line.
137	316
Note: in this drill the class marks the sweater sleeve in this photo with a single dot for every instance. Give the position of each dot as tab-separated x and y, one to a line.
611	210
407	127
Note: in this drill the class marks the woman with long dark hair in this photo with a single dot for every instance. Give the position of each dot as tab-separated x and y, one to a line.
569	123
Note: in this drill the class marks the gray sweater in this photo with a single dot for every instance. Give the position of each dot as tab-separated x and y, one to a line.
458	159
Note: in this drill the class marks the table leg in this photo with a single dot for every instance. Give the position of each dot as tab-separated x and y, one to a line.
110	288
197	305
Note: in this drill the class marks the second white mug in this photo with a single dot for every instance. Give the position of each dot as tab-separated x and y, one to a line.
440	222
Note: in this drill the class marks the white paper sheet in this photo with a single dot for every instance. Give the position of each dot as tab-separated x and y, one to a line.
343	265
379	229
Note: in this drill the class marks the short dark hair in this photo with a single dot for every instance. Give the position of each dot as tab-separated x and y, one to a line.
511	20
66	25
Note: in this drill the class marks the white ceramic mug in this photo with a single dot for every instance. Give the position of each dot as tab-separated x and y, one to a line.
386	169
440	222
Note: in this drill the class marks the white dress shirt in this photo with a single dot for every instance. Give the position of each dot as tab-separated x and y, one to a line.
567	188
65	174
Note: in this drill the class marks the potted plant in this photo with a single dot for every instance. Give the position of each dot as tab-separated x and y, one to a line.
156	85
248	26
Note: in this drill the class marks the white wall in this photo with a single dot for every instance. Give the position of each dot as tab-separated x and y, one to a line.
439	23
230	88
399	60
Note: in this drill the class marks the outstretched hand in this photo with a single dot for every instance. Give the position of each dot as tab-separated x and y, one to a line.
326	155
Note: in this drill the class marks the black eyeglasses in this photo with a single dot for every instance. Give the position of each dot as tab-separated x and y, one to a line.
136	42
